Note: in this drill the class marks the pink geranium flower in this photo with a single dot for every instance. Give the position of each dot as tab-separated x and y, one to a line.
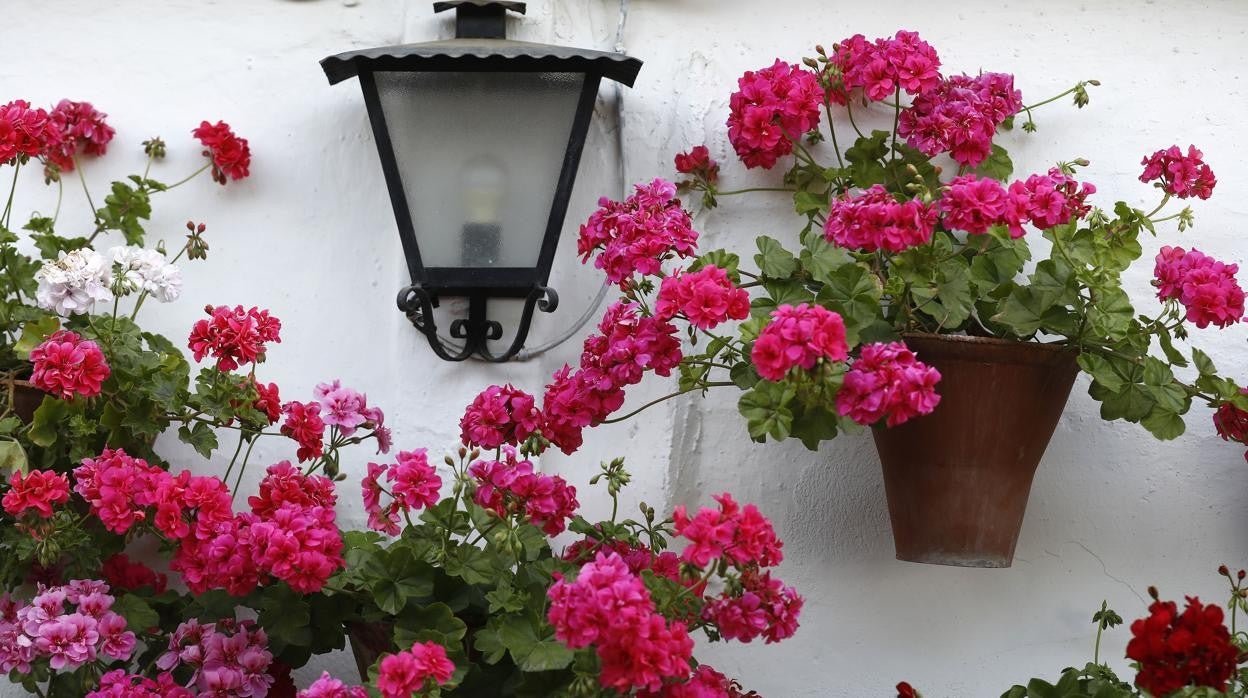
37	490
1180	175
798	336
66	365
772	107
887	382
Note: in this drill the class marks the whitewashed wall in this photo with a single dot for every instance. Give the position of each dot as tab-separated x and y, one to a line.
311	236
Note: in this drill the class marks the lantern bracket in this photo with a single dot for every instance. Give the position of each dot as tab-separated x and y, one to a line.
475	331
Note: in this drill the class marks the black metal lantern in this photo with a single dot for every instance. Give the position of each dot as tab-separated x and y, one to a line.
480	138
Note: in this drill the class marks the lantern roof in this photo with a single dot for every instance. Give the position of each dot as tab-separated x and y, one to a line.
502	55
480	44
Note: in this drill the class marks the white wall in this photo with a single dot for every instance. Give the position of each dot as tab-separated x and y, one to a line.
311	236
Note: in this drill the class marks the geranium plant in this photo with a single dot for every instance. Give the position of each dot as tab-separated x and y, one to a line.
125	575
919	228
1186	652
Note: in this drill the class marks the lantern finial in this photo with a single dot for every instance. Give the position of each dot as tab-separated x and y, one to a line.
480	19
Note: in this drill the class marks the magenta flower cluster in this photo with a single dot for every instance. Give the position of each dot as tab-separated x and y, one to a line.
884	67
887	383
628	344
66	365
413	484
960	116
327	686
773	107
975	204
290	533
634	236
876	220
799	336
608	606
706	298
67	626
421	666
756	605
233	336
227	658
1179	175
500	415
1206	288
511	487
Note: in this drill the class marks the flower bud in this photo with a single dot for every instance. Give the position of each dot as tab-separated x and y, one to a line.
1224	571
1152	592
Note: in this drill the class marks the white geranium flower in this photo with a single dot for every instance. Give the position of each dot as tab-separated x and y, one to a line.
146	270
74	282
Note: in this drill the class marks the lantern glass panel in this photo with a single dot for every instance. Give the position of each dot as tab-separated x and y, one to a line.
480	155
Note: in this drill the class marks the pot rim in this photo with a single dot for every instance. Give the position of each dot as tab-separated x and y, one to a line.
988	349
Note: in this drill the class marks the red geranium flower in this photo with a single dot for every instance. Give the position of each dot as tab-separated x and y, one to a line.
230	154
1174	651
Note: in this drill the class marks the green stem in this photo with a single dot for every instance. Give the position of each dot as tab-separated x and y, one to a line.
8	206
827	109
60	195
189	177
238	482
896	123
1096	648
83	178
138	304
1050	100
237	450
850	111
1164	200
669	396
751	189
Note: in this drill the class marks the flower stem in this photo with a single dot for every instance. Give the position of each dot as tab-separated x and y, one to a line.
238	482
669	396
1164	200
8	206
237	450
746	191
83	178
189	177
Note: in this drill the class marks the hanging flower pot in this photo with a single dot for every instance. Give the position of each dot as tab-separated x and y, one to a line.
957	479
26	399
369	640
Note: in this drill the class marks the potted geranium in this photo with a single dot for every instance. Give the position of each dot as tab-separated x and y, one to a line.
123	574
905	297
1176	653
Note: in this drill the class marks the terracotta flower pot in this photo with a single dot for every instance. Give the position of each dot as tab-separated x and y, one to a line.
26	399
368	642
957	480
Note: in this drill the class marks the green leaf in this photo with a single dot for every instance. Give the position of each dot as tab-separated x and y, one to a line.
864	157
1167	347
285	615
773	260
1102	371
821	259
1055	279
435	622
33	334
765	408
998	165
1110	314
813	425
397	577
1204	364
472	564
948	299
1163	424
1133	403
12	457
728	261
809	202
140	617
533	646
853	292
201	437
45	428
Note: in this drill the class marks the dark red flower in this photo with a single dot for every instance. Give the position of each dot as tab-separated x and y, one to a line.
230	154
1174	651
123	573
698	162
905	690
81	126
268	402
